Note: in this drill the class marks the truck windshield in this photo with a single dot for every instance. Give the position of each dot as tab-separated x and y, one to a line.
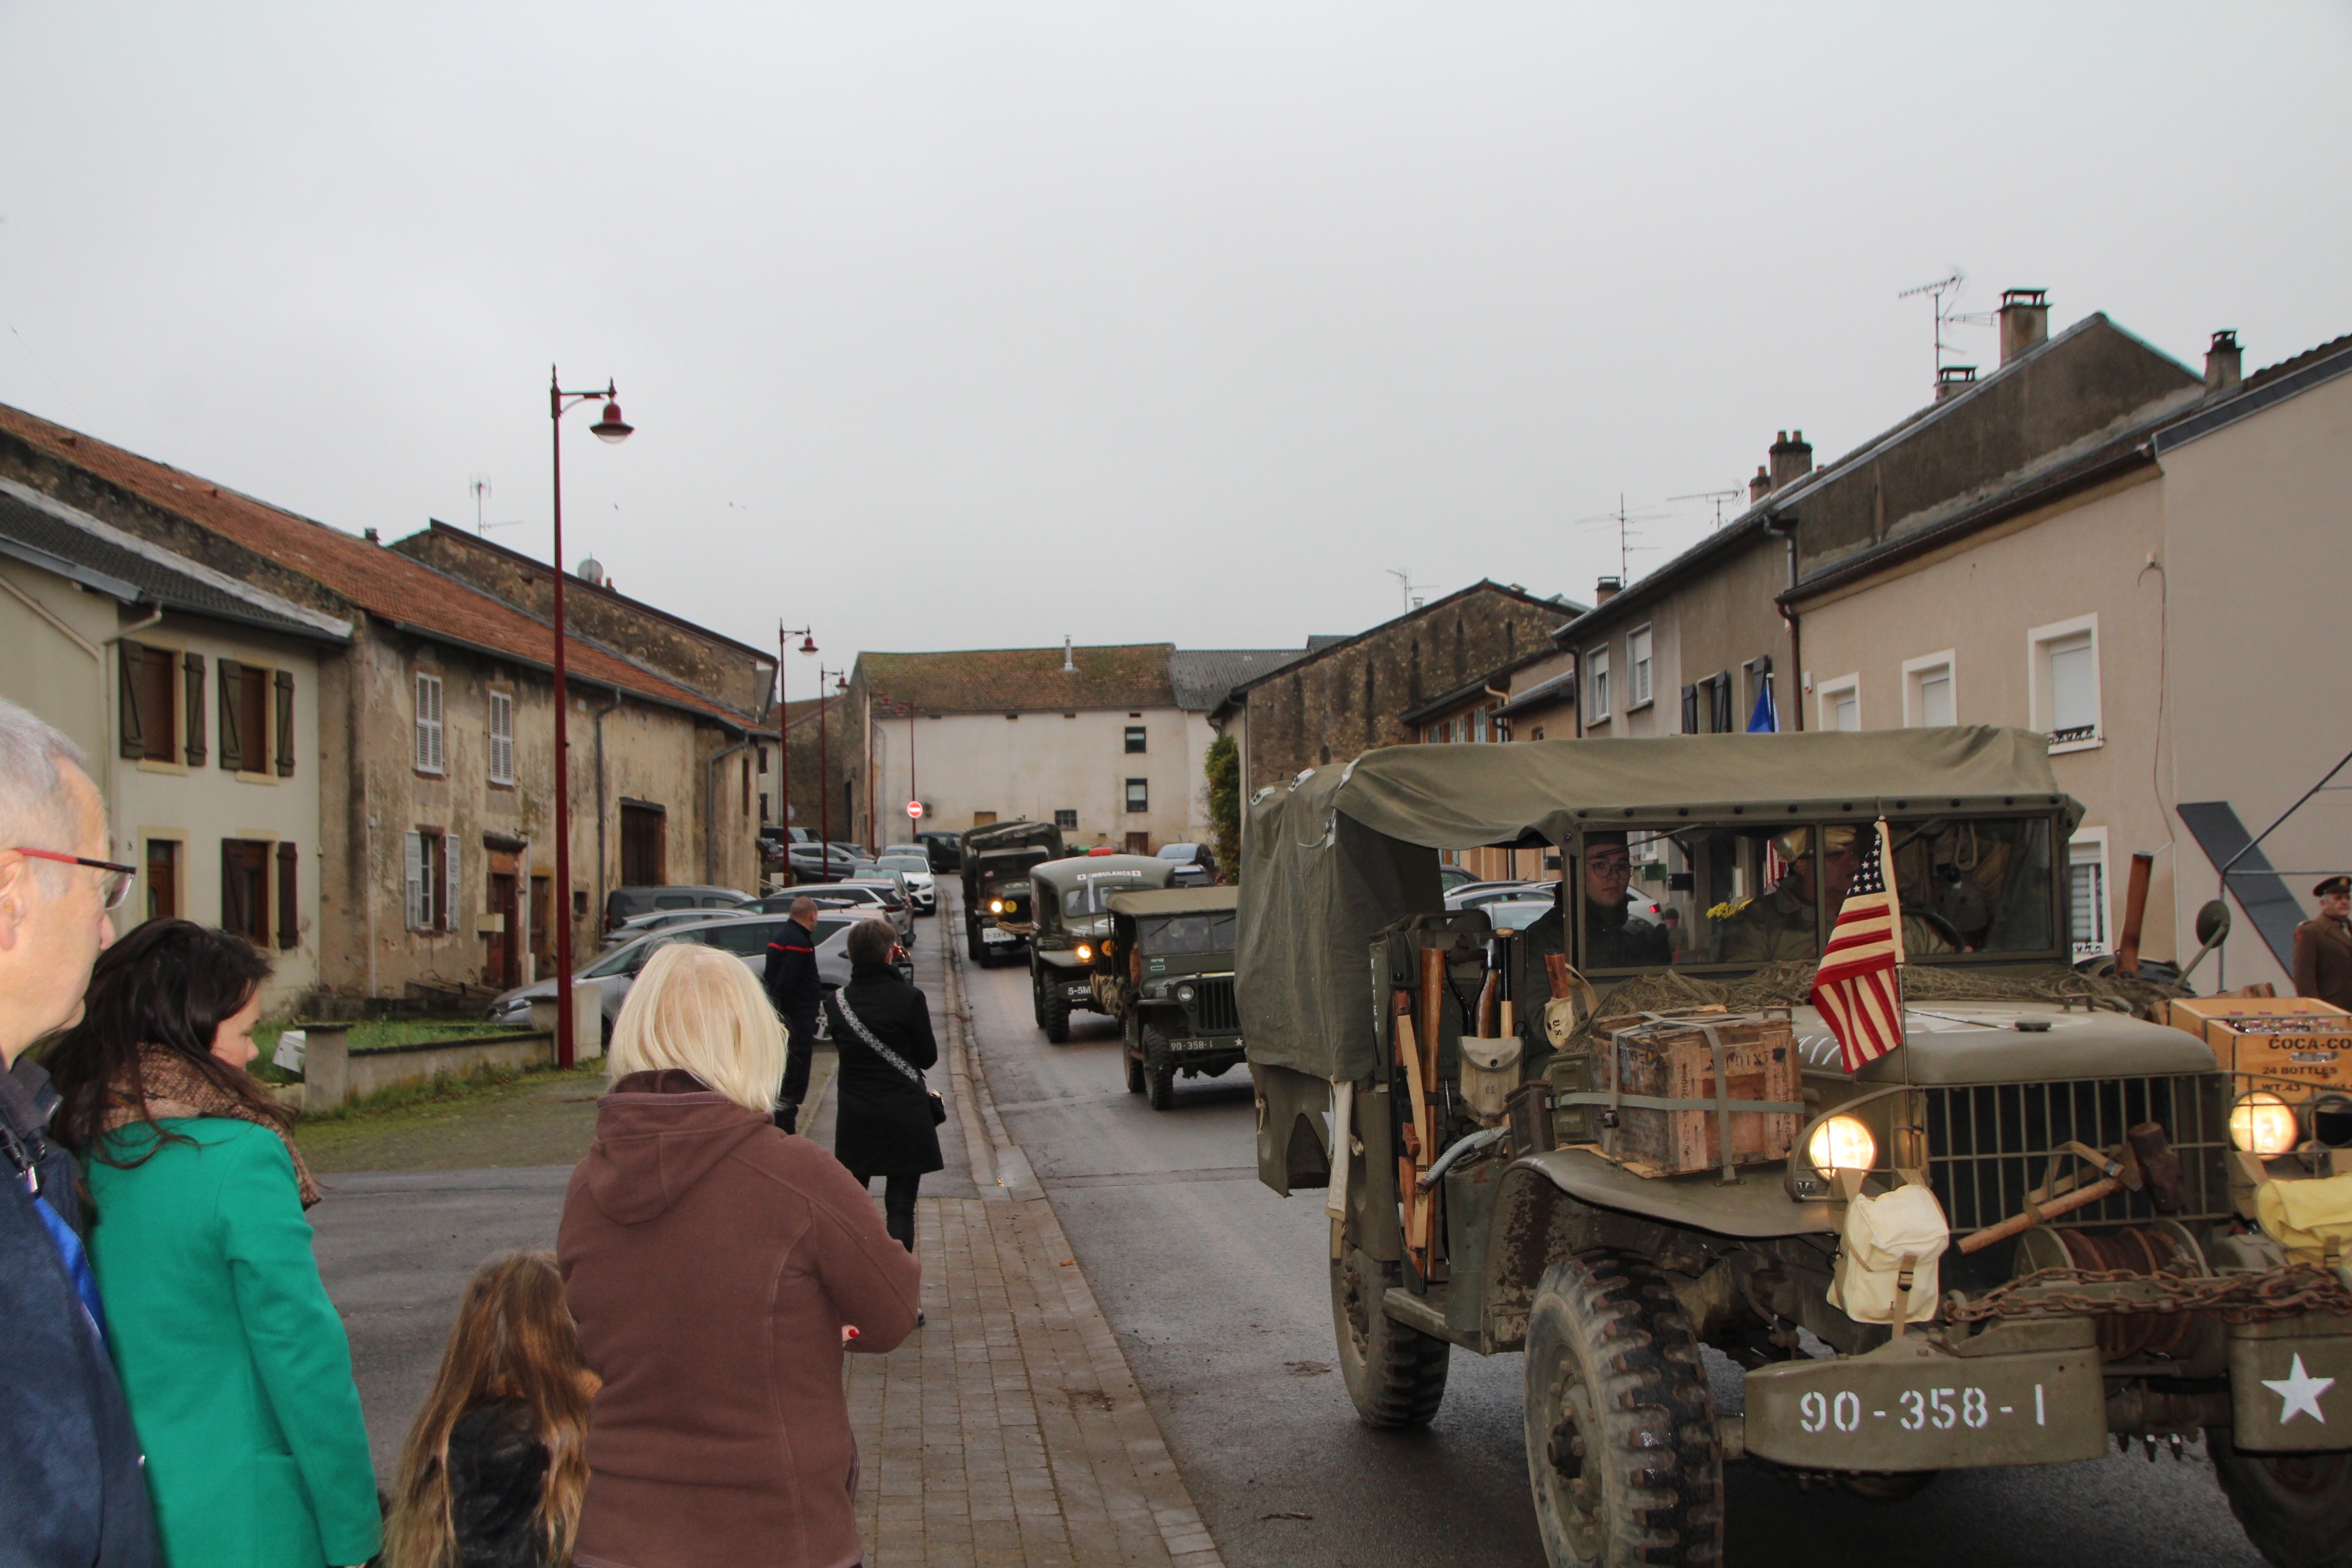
1166	936
1650	897
1091	897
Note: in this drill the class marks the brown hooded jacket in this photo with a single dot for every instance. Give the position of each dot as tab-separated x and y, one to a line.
711	1261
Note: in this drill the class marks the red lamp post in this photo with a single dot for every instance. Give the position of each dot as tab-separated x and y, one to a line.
824	782
785	636
611	429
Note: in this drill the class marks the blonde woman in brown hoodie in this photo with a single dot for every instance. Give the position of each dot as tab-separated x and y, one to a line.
713	1261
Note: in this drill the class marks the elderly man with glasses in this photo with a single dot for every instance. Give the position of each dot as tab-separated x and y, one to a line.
71	1490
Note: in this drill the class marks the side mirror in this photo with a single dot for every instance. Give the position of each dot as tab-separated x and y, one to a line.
2213	922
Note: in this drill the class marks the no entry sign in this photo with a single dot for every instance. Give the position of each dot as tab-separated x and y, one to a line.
914	809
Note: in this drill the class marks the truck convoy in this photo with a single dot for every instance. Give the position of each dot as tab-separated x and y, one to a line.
997	859
2042	1222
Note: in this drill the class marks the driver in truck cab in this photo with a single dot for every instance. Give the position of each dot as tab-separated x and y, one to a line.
1783	924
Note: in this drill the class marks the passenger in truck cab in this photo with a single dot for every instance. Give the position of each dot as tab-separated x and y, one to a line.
1613	937
1785	923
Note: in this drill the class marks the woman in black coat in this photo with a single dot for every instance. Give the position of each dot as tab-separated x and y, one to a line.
884	1127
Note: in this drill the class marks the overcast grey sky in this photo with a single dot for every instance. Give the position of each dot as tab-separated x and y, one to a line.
978	324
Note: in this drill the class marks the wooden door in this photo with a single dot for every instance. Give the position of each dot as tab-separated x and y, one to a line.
643	846
1139	843
502	956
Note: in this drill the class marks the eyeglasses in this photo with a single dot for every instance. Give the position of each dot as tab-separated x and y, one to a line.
117	885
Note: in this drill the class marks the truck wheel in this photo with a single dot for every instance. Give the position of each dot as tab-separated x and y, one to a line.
1134	1070
1055	1013
1159	1070
972	940
2295	1507
1622	1456
1395	1374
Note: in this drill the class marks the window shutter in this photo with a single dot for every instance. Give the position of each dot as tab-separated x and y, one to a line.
285	724
232	727
289	931
449	904
192	669
1690	708
413	845
132	722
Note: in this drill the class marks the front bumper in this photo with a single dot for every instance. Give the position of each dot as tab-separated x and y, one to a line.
1911	1406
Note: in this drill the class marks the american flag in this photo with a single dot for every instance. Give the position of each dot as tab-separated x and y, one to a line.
1857	988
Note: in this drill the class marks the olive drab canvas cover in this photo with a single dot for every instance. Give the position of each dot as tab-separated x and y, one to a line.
1342	852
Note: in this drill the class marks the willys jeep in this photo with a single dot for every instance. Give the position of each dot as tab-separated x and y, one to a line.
1165	971
1069	920
997	859
2042	1223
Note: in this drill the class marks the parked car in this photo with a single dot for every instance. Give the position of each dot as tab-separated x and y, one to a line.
880	899
627	903
662	919
814	863
1452	877
914	867
945	849
747	939
1195	867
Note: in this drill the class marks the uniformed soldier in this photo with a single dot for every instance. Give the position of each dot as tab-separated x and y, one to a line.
1613	937
1785	923
2323	945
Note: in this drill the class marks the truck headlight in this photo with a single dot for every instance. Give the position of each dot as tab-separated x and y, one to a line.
2262	1123
1086	953
1183	992
1841	1143
996	906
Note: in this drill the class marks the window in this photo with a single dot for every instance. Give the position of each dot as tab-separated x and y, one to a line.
1138	795
1068	821
245	890
147	703
432	875
432	750
290	862
1927	690
1135	738
2065	682
1139	843
245	719
1596	686
502	738
162	879
2086	893
1637	668
747	784
1758	673
1842	704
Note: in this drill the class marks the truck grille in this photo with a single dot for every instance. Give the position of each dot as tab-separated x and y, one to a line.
1213	1007
1988	1144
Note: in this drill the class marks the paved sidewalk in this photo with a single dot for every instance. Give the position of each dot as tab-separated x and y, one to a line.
1009	1429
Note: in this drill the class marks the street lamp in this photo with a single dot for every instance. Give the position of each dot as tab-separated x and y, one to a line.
785	636
823	787
611	429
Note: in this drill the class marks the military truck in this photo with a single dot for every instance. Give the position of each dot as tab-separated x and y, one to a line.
2042	1222
1070	921
1165	970
997	859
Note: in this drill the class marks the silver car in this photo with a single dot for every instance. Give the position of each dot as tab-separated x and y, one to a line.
914	869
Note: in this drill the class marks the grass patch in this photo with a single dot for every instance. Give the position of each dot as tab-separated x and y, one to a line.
486	1082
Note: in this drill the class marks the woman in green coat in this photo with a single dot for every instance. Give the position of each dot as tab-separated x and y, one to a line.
235	1362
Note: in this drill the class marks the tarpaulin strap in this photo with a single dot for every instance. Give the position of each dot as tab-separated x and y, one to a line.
1722	1097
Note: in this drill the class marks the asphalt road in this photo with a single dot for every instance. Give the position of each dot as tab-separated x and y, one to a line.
1216	1289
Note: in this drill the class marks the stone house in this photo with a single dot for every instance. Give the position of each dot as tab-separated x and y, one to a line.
196	697
435	735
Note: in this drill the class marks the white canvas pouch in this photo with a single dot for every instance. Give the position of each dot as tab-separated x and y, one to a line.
1880	1233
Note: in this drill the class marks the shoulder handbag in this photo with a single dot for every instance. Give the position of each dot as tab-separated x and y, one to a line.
858	1026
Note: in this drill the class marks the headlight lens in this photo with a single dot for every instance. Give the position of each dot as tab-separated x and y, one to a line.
1183	992
2262	1123
1086	953
996	906
1841	1143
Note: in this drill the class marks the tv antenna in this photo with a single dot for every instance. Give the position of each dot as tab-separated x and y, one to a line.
478	487
1407	588
1950	285
1717	496
1629	524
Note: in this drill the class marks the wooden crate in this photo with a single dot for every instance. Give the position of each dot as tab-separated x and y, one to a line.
1668	1056
2290	1041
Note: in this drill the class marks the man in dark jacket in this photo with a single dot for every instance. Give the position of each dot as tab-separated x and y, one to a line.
71	1488
794	992
2323	945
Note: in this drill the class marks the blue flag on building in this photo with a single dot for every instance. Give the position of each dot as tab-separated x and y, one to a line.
1766	720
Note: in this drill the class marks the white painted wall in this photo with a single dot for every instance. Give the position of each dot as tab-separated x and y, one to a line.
1038	763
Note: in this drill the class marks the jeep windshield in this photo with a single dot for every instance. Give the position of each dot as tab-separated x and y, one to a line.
1092	898
1171	936
1971	888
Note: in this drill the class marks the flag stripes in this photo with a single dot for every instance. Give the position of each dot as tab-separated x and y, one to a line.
1857	986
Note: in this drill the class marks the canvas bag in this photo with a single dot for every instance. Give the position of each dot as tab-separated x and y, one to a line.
2307	1217
1880	1232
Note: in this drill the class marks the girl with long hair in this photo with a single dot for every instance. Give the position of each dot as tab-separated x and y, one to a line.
233	1360
498	1461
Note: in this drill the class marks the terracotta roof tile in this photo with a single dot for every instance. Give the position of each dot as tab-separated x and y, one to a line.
1021	679
385	582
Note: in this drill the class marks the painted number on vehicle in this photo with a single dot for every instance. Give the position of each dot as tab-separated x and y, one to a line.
1915	1410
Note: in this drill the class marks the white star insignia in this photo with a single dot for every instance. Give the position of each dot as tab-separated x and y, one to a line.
2299	1392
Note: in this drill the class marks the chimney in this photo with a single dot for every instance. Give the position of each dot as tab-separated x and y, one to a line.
1953	380
371	536
2024	320
2223	361
1760	486
1607	589
1069	665
590	570
1792	459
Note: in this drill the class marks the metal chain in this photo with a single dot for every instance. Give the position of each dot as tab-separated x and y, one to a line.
2233	1297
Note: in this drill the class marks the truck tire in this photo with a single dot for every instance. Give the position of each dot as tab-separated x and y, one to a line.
1054	1011
1622	1456
1396	1375
2295	1507
1130	1051
1159	1070
971	939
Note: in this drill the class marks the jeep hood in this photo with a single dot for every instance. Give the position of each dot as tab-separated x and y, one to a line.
1980	1042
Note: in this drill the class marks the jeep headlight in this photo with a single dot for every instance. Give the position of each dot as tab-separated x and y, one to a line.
2262	1123
996	906
1841	1143
1183	992
1086	953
